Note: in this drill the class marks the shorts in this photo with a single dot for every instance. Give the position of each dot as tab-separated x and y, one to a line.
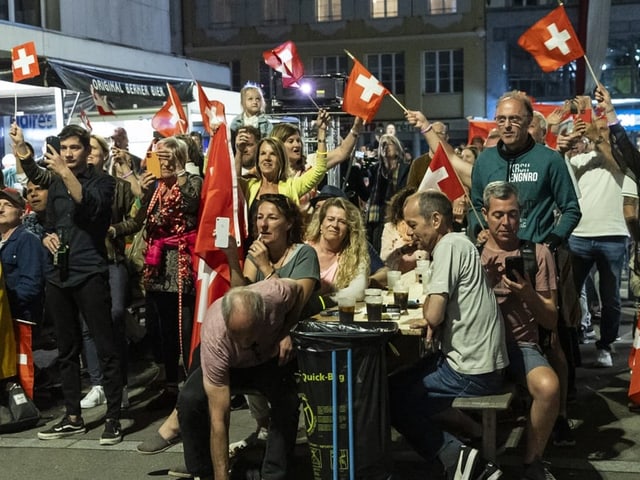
522	359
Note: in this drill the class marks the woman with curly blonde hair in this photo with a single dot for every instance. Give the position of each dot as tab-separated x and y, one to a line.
337	234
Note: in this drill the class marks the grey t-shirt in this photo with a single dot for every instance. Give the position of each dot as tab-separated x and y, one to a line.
472	333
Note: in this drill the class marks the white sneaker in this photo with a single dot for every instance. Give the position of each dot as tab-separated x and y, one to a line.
256	438
604	359
94	398
125	398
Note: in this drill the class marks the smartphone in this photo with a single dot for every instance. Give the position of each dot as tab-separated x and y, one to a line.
54	141
511	264
222	232
153	164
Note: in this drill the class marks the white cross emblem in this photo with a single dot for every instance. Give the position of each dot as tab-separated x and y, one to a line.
370	86
24	61
558	39
285	57
433	177
175	116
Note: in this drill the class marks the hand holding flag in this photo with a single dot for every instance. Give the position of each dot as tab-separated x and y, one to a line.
552	41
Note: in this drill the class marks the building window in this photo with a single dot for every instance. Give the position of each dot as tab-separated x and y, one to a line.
220	12
389	69
443	71
273	11
328	10
384	8
439	7
333	64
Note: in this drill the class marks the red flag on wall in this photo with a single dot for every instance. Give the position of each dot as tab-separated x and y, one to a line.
284	59
212	111
552	41
170	119
220	197
363	93
24	62
441	176
26	368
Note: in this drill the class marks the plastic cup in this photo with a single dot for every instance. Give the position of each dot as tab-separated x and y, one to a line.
393	277
346	308
374	308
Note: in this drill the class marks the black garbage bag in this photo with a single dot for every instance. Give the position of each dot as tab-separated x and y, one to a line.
322	356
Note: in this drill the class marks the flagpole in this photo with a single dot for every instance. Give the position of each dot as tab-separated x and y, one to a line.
593	74
393	97
15	105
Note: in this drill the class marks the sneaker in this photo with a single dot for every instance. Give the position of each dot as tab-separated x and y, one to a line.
64	428
112	433
537	470
94	398
562	433
467	459
604	359
490	472
256	438
125	398
179	472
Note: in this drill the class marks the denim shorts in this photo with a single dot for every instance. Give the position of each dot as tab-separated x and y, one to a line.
522	359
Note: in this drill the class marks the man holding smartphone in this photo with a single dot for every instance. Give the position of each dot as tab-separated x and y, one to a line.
527	297
78	215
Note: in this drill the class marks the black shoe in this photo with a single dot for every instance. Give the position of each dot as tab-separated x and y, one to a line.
562	434
537	470
112	434
64	428
238	402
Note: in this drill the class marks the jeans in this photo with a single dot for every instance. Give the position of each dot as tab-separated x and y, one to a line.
119	284
608	254
428	388
278	386
92	300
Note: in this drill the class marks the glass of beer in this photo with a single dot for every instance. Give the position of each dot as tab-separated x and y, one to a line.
401	297
346	307
374	307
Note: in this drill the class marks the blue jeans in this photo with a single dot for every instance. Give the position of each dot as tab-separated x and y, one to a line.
608	254
428	388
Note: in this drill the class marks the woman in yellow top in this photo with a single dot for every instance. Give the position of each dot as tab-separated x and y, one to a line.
273	168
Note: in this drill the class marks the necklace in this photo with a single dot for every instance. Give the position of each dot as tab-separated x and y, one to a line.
279	263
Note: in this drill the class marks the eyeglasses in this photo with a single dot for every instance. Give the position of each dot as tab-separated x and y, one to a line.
513	120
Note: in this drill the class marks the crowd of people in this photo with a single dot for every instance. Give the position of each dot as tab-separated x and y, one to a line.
93	229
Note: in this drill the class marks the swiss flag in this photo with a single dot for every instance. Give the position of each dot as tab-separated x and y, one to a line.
212	112
26	368
284	59
480	128
170	119
24	62
552	41
441	176
363	93
220	197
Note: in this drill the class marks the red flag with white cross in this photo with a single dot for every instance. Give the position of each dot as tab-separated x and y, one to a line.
170	119
24	62
440	175
363	93
284	59
552	41
212	112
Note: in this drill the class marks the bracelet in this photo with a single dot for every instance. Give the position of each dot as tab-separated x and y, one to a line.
181	173
427	129
127	175
23	157
273	272
321	154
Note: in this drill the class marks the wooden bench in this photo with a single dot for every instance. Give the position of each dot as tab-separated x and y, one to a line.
489	406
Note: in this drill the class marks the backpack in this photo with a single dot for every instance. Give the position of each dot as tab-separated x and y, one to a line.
17	410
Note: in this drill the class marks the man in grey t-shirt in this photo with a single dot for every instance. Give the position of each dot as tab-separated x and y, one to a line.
462	313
